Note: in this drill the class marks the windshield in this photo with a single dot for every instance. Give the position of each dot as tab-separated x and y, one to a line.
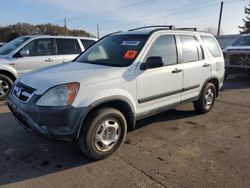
242	41
12	45
116	50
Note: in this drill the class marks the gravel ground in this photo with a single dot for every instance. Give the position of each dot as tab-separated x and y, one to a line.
177	148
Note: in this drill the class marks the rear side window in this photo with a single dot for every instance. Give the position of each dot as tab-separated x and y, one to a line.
191	49
87	43
165	47
67	46
211	44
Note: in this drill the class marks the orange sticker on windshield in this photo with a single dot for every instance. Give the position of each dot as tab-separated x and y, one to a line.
130	54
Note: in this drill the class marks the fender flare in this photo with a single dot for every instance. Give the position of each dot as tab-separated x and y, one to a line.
104	101
10	70
205	83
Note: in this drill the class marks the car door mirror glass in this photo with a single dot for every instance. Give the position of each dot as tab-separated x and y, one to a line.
152	62
24	52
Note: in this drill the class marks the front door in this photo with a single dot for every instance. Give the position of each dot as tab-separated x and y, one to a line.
160	87
39	53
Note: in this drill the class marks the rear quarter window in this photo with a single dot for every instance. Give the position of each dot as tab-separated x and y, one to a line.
212	45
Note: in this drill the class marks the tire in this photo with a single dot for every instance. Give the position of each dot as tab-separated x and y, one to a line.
5	86
207	98
103	133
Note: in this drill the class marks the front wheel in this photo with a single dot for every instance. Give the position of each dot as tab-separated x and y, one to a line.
207	98
5	86
103	133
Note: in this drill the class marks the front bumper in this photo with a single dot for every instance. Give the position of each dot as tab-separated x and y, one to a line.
230	69
62	123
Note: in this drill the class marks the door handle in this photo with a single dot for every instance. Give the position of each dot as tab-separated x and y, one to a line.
206	65
48	60
175	71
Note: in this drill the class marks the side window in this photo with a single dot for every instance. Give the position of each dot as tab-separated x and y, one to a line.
165	47
39	47
191	49
211	44
66	46
87	43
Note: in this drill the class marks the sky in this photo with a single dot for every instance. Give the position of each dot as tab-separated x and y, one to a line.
120	15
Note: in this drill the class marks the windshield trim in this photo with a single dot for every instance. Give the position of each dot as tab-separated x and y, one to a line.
247	38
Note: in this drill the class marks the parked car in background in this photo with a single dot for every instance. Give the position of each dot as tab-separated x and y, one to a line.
120	79
226	40
27	53
237	56
1	44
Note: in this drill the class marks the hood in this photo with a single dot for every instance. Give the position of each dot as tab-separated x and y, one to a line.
83	73
237	48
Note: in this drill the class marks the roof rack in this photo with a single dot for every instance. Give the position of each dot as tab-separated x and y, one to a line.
154	26
188	28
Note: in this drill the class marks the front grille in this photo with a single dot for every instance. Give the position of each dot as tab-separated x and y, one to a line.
22	92
240	59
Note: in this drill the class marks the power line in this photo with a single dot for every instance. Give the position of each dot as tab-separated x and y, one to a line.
113	9
201	6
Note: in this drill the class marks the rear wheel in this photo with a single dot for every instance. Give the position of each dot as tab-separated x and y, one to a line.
103	133
206	101
5	86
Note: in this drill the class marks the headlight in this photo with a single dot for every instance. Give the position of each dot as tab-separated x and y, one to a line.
62	95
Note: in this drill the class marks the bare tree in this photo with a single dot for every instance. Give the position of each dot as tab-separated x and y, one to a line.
212	30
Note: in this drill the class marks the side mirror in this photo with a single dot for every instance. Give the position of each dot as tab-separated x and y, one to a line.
152	62
24	53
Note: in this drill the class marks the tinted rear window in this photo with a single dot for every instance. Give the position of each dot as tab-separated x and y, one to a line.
67	46
87	43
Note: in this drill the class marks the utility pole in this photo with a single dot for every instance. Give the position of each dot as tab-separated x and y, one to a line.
98	33
219	24
65	26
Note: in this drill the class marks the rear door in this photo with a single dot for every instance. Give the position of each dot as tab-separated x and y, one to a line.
67	49
216	57
197	68
40	54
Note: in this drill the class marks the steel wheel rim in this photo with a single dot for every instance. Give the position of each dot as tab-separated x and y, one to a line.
4	88
107	135
209	97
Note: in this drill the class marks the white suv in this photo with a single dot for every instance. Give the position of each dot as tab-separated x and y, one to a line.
32	52
123	77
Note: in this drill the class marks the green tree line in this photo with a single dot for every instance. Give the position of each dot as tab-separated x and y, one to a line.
20	29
